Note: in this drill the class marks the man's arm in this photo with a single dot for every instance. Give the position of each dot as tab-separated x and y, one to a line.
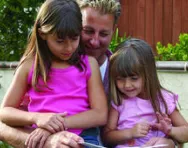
17	137
13	136
63	139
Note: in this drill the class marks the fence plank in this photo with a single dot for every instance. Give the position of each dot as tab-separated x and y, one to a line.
132	18
149	29
140	22
185	16
176	20
123	24
167	29
158	21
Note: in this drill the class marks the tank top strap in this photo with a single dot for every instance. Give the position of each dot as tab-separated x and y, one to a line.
85	59
29	79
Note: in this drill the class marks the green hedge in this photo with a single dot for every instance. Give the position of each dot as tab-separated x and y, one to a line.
4	145
177	52
17	18
116	40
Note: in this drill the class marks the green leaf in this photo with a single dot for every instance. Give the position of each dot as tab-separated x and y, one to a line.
177	52
116	40
15	25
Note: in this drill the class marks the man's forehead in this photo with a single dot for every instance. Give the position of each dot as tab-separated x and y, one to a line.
93	28
90	13
92	19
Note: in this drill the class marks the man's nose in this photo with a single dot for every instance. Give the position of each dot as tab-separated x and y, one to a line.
95	41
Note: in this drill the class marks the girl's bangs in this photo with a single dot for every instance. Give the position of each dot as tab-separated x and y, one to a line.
127	65
68	28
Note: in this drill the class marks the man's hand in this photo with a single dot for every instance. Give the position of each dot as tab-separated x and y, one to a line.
63	139
37	138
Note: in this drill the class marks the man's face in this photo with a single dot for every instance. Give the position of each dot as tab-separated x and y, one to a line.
97	32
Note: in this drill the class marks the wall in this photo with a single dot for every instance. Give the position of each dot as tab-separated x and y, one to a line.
5	79
178	83
154	20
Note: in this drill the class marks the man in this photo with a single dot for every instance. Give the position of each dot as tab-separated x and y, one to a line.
99	21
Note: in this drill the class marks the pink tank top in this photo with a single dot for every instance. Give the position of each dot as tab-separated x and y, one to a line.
68	92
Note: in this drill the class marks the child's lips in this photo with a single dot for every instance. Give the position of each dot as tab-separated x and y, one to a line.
66	54
130	90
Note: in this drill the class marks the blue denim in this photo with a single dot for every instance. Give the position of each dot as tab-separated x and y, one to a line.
90	136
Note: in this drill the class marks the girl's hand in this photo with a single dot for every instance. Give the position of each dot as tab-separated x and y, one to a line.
51	121
140	130
164	124
37	138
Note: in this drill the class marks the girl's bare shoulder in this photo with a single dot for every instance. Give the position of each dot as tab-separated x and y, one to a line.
93	61
26	65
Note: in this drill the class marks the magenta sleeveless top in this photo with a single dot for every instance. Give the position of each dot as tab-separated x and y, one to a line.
68	91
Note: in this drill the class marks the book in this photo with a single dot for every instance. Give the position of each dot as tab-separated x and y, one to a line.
90	145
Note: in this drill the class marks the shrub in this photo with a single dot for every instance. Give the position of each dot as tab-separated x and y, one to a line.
116	40
177	52
17	18
4	145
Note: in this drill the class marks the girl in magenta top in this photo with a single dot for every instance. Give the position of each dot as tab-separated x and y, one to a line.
64	85
141	108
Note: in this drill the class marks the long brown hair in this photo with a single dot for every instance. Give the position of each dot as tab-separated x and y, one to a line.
135	57
60	17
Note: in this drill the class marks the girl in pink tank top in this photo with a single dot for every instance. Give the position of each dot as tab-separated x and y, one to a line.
141	109
63	84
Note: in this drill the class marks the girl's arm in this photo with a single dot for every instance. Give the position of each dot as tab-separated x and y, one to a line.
97	115
179	129
111	135
9	113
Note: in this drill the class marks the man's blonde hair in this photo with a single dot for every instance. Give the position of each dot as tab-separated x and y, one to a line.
104	6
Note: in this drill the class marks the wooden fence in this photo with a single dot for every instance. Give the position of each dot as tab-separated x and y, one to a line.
154	20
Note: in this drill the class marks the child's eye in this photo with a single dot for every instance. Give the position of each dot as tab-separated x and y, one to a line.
134	77
120	78
75	38
60	41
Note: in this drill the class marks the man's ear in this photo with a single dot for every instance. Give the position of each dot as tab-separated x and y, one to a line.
42	35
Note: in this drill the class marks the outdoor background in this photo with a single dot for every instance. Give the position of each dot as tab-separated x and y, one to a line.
151	20
154	20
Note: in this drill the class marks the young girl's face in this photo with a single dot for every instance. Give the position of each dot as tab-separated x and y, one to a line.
131	86
62	49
